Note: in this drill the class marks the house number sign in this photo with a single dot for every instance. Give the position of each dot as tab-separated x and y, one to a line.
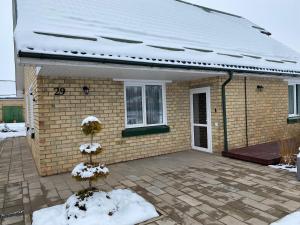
59	91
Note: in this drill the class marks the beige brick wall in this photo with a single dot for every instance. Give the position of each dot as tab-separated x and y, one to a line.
235	99
10	102
58	118
267	111
30	80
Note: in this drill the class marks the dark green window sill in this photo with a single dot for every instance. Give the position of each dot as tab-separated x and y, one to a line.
132	132
292	120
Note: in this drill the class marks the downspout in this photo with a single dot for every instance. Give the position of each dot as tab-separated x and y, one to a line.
246	111
230	73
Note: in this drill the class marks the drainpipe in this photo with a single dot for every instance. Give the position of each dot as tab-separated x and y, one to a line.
230	73
246	111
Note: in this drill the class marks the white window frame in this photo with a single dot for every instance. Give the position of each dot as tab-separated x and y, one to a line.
295	100
294	84
143	85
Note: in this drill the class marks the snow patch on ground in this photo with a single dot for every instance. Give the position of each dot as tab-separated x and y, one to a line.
291	219
119	207
14	130
90	119
289	168
90	148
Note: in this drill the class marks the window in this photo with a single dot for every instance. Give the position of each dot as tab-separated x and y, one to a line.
145	104
294	100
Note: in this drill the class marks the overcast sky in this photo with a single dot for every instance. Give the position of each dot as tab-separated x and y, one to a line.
7	69
280	17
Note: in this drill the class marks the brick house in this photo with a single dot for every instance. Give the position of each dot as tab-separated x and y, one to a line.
162	76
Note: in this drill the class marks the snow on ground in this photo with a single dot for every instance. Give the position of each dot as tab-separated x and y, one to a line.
14	130
119	207
285	167
291	219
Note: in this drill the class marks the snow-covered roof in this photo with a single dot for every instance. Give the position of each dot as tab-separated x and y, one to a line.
164	32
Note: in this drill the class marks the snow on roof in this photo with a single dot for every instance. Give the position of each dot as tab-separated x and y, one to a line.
170	32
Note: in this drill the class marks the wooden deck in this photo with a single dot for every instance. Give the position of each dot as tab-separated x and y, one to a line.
264	154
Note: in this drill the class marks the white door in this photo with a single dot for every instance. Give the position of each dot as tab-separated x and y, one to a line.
201	119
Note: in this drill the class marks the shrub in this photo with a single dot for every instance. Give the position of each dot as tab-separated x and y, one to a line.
288	149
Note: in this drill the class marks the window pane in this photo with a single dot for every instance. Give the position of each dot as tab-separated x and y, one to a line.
134	105
200	137
291	99
199	107
154	104
298	98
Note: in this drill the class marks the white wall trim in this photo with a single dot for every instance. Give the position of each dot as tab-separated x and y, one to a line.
208	113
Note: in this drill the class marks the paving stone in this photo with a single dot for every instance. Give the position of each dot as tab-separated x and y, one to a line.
251	196
169	199
189	187
128	183
256	204
256	213
155	190
234	212
133	178
229	220
292	205
211	211
207	220
255	221
12	220
189	200
166	221
211	201
27	219
173	191
192	212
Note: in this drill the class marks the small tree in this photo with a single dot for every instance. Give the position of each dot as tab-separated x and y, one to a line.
89	170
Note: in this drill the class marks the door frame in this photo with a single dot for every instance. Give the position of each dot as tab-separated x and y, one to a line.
208	114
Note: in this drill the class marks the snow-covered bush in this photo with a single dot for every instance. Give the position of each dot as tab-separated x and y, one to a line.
93	207
89	170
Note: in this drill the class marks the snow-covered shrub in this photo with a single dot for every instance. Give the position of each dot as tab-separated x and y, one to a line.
91	125
89	170
93	207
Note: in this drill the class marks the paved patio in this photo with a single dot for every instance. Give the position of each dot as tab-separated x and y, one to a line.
188	187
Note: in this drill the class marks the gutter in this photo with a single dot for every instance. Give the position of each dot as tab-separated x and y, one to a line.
230	73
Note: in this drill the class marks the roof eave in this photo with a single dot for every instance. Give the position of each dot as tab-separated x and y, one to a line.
77	58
